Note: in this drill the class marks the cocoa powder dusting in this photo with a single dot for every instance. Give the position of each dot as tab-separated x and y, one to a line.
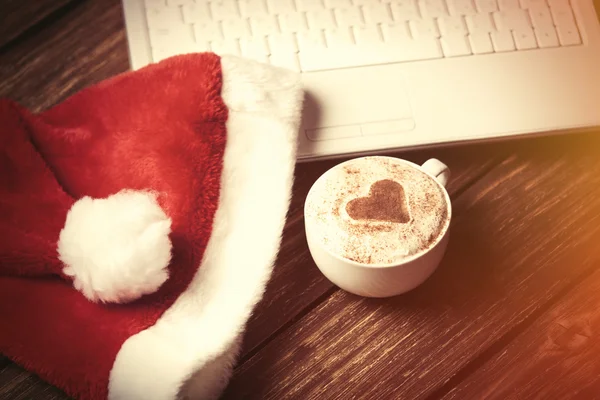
386	202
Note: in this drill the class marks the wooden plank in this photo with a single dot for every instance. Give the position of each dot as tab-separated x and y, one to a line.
521	234
18	16
82	47
18	384
557	355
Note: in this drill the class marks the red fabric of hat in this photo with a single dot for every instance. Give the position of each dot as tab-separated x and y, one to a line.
140	220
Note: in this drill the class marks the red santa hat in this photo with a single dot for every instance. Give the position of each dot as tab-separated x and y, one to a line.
140	220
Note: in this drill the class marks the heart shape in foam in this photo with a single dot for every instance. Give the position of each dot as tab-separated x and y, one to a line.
386	202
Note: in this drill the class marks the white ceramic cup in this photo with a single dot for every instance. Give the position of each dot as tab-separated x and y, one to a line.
384	280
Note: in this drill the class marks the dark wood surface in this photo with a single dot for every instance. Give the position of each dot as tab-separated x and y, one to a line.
17	16
511	312
75	50
563	343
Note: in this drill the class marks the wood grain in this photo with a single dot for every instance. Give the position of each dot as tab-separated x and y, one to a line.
521	234
80	48
18	16
18	384
558	355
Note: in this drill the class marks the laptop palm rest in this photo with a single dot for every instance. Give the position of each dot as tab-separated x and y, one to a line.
357	105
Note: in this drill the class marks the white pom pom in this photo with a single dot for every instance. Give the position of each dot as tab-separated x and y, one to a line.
116	249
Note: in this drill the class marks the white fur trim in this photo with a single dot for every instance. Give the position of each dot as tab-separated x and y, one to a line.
116	249
191	350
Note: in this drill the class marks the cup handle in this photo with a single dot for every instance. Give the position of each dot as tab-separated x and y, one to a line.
438	169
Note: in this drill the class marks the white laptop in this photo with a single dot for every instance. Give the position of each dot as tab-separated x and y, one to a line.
382	75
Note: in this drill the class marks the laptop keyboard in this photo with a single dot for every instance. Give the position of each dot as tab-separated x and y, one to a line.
316	35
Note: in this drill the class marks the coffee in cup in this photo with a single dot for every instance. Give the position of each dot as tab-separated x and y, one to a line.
377	212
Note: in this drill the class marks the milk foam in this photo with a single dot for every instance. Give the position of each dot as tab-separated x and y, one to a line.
370	241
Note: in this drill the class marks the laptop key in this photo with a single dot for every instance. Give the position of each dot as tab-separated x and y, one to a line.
226	46
433	8
368	35
322	19
207	31
568	35
525	39
532	3
281	6
223	9
293	22
338	38
405	10
455	45
512	20
480	23
235	28
486	5
377	13
311	40
541	17
424	28
503	41
349	16
251	8
561	12
450	26
255	48
163	17
282	43
335	4
461	7
504	5
163	38
263	25
395	31
547	37
309	5
481	43
196	12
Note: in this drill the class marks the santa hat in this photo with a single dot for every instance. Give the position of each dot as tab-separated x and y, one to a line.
140	220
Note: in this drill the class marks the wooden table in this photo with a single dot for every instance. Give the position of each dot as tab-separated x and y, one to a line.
512	312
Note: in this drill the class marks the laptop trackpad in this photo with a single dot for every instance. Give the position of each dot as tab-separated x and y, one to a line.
345	103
